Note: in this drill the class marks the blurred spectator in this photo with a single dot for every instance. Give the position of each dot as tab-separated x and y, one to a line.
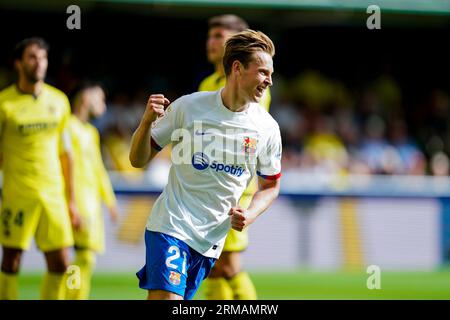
324	150
116	134
440	164
374	146
412	160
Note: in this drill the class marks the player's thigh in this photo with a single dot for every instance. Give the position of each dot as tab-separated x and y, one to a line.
54	230
199	268
91	234
162	295
19	220
57	260
11	260
228	265
167	260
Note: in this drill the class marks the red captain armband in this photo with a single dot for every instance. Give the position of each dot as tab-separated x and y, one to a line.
155	145
274	177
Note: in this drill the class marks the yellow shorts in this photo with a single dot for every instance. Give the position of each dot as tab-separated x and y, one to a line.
236	241
48	221
91	235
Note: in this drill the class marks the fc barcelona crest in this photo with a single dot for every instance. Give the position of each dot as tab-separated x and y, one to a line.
249	145
174	278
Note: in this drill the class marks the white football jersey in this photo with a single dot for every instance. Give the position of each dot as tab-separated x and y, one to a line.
215	153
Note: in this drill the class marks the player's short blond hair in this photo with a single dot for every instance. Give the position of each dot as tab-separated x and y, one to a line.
242	45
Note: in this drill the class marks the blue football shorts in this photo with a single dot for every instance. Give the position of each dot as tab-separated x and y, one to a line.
171	265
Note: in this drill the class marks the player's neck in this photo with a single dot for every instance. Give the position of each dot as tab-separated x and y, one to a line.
231	99
82	114
33	88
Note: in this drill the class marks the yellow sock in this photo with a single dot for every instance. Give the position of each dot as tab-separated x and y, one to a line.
242	287
85	260
9	286
53	286
217	289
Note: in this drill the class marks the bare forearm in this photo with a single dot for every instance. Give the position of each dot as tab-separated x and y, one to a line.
67	167
261	201
140	151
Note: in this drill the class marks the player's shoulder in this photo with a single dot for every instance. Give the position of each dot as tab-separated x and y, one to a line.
263	117
54	92
57	98
73	125
73	121
199	99
92	129
8	93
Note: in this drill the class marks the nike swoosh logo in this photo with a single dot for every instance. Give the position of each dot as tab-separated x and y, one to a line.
199	133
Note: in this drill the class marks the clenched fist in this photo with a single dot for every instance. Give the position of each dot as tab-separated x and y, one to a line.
155	107
238	218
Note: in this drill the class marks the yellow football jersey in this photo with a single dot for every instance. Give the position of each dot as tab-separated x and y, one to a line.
31	138
91	184
31	130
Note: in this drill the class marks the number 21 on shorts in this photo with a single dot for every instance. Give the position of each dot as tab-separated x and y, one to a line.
175	254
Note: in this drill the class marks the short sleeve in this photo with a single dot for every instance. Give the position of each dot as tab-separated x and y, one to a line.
106	189
269	159
2	118
65	141
163	127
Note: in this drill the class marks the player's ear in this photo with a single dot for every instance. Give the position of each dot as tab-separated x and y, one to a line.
237	67
17	64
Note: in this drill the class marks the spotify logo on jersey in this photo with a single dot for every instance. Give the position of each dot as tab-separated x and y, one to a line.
200	161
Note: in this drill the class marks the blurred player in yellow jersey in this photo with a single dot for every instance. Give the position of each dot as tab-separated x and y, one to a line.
91	184
37	195
227	280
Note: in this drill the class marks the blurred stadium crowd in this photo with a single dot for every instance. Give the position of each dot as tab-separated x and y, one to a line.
337	112
327	126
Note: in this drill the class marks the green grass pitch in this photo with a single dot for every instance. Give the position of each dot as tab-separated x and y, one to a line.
282	285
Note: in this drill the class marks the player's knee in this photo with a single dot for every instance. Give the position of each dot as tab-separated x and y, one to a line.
230	270
11	260
230	264
58	267
57	261
225	267
216	272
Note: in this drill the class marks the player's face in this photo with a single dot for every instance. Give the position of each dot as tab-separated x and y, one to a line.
215	44
96	101
257	77
34	63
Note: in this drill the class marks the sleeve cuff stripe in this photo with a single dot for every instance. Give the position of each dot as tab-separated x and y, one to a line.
155	145
273	177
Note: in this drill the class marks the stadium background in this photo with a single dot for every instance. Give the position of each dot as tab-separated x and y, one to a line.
341	91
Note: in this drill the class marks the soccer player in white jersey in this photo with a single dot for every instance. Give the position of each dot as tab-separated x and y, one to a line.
220	140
